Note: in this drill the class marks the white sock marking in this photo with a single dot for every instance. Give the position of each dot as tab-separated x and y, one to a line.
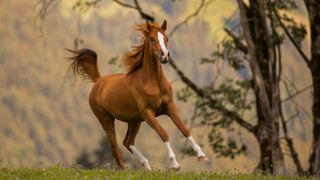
161	42
174	163
140	157
196	147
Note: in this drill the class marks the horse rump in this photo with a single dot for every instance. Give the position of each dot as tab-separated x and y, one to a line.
84	64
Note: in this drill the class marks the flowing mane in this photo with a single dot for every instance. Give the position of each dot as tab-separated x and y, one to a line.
133	59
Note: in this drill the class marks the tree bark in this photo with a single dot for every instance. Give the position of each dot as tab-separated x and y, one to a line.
313	7
315	71
263	62
263	136
314	160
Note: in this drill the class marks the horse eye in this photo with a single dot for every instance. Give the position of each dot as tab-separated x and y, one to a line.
151	39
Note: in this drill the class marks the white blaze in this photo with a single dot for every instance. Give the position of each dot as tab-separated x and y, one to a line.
163	46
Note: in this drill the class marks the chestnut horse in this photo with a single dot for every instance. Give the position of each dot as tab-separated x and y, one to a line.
141	94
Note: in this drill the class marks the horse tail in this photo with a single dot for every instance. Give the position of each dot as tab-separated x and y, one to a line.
84	64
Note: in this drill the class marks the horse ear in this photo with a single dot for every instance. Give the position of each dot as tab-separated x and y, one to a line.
148	26
164	25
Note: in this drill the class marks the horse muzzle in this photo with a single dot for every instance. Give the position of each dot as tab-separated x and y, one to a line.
164	59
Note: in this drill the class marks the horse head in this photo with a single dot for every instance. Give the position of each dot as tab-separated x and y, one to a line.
158	41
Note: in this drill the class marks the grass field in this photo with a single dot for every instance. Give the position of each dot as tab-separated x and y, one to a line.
59	172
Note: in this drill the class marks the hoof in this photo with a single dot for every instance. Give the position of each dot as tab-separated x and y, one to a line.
203	158
175	168
146	166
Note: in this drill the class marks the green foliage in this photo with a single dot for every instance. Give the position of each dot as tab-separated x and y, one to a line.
227	51
184	94
285	4
60	172
231	94
297	30
225	148
228	94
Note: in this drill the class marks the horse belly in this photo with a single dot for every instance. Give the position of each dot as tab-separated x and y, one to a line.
120	105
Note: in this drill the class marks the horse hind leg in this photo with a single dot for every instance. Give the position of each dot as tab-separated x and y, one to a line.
107	122
128	142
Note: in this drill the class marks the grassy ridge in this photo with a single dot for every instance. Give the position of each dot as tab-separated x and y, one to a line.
59	172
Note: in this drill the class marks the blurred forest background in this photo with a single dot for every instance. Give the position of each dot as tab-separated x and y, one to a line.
45	115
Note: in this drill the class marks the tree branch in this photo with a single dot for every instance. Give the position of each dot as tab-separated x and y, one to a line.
236	40
142	13
199	91
295	44
259	83
136	7
296	93
297	105
245	25
214	104
293	152
40	16
124	4
185	21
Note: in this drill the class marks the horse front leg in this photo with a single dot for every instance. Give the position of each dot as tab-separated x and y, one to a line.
174	115
149	117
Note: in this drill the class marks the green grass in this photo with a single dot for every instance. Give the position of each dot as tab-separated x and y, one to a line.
60	172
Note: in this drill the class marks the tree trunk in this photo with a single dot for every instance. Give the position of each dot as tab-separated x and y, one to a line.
262	60
277	155
315	71
263	137
313	7
267	134
314	160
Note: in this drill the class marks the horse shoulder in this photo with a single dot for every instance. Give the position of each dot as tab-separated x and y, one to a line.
151	89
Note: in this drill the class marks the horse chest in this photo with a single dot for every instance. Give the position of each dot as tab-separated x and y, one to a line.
159	105
154	97
158	101
163	100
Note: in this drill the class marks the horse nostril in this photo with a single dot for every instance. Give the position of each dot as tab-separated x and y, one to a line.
168	54
161	53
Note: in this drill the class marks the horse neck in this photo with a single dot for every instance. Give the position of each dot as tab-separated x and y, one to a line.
151	66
